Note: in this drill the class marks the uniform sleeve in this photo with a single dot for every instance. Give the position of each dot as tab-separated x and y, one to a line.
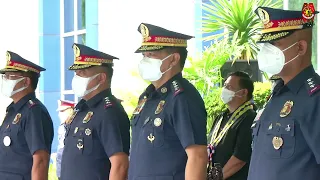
189	118
114	131
243	149
311	125
38	130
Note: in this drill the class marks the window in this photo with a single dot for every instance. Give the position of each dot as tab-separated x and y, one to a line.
72	30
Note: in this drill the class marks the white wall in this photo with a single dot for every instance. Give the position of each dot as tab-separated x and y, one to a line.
19	33
118	35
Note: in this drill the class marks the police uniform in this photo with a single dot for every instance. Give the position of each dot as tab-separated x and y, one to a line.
27	127
286	135
167	120
62	106
98	129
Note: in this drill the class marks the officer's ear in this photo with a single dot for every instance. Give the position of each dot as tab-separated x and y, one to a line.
27	82
175	59
102	78
303	46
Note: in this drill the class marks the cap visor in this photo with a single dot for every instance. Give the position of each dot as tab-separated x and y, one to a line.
79	66
273	36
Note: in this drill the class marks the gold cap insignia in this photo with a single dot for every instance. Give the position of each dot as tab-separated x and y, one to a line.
287	107
8	58
16	119
87	118
76	51
160	107
264	16
145	33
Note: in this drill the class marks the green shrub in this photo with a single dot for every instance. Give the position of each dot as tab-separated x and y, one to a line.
215	106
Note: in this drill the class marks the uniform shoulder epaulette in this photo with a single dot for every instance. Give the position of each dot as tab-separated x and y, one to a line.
177	88
31	103
108	102
313	85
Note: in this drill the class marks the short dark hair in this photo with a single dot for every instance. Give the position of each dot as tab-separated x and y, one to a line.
182	51
245	82
108	69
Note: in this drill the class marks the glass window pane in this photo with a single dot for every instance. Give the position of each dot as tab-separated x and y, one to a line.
82	39
69	97
81	14
68	15
68	61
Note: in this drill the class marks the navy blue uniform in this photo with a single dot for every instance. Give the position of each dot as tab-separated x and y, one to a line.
100	129
286	135
165	123
26	129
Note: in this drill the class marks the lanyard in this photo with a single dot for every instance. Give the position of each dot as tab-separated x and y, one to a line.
215	139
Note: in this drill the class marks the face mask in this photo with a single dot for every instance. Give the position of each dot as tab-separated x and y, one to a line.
227	95
271	59
149	68
80	84
8	85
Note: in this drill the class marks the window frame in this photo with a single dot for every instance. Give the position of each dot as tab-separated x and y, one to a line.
75	33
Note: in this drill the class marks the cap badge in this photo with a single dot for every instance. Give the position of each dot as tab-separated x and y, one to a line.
308	11
8	58
264	16
76	51
145	33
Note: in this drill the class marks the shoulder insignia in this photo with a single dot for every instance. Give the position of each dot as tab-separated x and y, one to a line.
31	103
176	88
313	85
107	103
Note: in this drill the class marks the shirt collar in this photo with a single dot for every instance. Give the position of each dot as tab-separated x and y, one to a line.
22	101
295	84
166	87
97	98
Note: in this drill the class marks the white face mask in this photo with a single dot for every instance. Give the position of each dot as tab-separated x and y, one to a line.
149	68
80	84
8	85
227	95
271	59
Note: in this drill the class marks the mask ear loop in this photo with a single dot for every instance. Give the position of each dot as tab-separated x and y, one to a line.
289	46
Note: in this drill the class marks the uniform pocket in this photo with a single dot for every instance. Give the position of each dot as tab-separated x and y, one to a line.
158	125
280	139
88	141
154	178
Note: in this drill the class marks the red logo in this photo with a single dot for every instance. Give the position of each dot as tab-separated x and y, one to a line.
308	12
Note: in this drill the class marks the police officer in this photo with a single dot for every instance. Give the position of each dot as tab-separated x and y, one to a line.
169	123
27	130
97	139
65	110
286	135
